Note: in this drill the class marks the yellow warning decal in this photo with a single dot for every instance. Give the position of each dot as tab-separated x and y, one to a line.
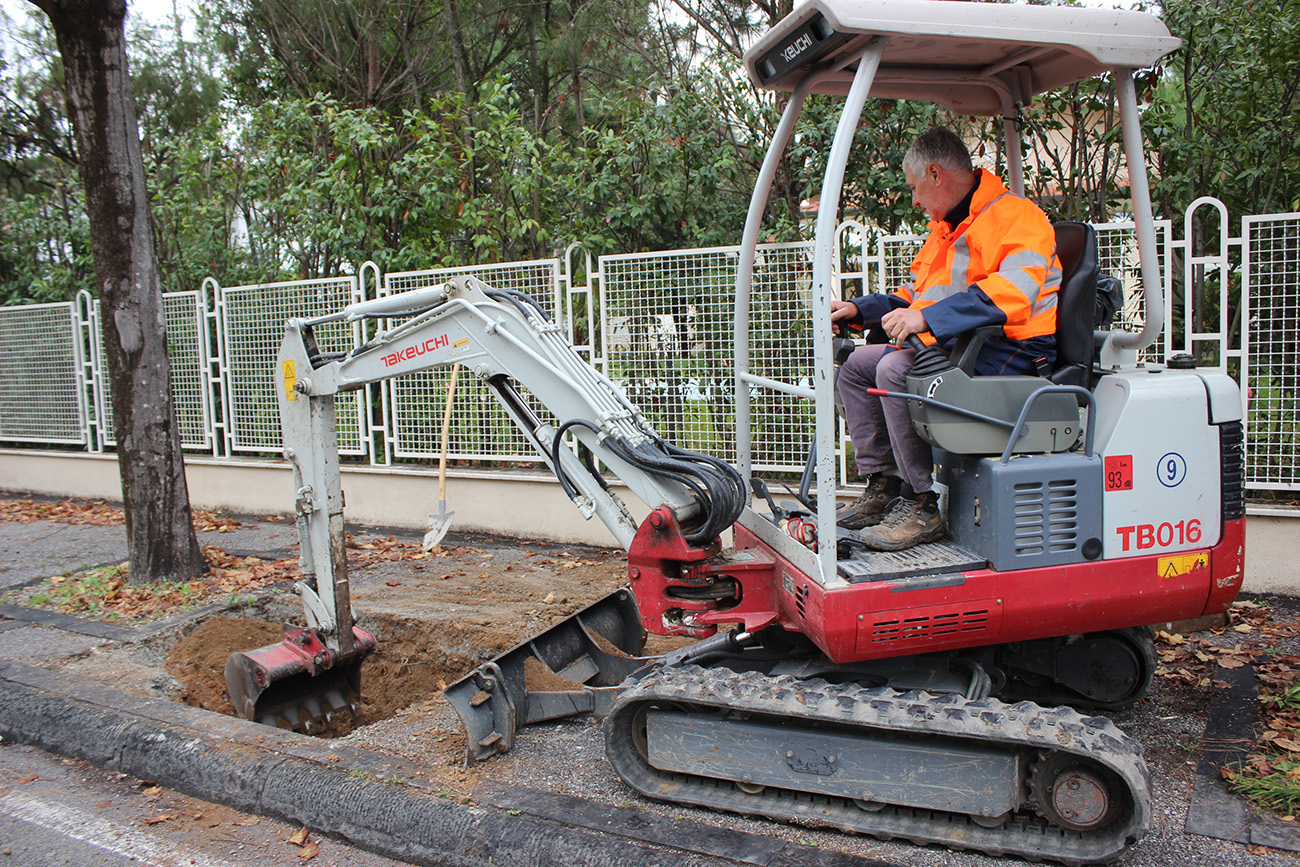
290	380
460	346
1181	564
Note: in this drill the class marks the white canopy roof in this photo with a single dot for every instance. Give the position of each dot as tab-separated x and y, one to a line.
968	56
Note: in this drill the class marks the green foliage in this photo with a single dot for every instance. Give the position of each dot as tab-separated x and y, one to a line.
1221	116
421	133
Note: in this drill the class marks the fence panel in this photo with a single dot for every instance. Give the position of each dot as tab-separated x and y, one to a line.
1271	367
187	352
41	400
663	331
252	324
480	429
666	321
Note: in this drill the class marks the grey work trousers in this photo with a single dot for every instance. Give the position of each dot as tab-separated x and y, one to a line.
881	428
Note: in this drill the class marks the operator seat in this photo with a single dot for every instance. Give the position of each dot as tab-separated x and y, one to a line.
1076	311
1052	423
1076	304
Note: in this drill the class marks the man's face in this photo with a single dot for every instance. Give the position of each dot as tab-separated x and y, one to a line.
928	192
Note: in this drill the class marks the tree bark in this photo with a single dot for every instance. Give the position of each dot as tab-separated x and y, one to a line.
160	533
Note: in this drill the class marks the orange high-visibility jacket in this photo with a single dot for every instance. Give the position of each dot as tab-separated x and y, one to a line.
1006	247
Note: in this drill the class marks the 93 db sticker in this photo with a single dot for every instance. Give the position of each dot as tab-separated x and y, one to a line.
1119	472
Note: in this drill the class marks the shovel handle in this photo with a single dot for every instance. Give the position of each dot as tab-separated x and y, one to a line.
446	428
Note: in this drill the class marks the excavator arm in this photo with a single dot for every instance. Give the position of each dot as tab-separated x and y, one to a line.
507	340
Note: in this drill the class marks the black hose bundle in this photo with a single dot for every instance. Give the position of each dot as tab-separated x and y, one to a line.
716	485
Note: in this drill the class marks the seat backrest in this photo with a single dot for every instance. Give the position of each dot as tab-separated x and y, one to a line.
1076	303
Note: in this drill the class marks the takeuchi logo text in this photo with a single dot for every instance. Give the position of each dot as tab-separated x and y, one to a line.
415	350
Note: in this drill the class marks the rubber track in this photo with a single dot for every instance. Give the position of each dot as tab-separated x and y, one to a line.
1018	726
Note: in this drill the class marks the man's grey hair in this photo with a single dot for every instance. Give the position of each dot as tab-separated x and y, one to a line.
940	146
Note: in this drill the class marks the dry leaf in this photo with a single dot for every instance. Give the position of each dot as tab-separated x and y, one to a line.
1287	744
299	837
309	851
161	817
1231	662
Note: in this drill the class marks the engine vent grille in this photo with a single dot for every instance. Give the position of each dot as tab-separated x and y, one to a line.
1045	517
937	624
1232	457
801	600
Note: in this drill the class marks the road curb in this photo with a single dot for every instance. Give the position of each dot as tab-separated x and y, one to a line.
378	803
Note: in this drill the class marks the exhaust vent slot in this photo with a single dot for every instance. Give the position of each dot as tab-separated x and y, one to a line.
940	625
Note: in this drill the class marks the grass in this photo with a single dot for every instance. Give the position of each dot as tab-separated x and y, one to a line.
105	594
1269	777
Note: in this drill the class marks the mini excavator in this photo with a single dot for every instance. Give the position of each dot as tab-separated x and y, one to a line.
947	694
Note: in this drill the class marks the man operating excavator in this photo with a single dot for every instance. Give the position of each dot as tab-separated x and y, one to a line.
989	259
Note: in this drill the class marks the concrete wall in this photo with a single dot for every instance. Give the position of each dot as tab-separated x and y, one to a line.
516	503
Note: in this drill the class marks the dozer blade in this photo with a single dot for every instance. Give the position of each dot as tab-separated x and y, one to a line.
572	668
299	683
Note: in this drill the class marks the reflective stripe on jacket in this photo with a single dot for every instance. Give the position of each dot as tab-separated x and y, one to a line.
1006	247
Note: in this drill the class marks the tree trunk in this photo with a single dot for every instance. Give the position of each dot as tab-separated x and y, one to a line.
160	534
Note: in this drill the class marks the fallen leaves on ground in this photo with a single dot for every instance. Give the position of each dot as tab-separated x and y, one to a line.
368	550
99	514
107	594
307	847
1269	774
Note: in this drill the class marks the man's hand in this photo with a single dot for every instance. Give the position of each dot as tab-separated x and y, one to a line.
901	323
845	315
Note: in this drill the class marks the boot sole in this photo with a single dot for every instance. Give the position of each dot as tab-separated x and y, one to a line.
871	521
884	545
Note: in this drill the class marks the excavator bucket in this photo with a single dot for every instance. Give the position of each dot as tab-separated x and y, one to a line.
572	668
299	683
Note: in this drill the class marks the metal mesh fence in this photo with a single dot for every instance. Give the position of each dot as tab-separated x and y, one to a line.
1117	255
667	333
480	430
663	331
253	320
187	342
896	255
1272	252
40	377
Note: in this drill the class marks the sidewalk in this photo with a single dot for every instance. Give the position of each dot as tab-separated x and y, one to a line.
378	801
551	801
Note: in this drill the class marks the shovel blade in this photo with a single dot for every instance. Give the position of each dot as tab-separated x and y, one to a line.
298	684
439	524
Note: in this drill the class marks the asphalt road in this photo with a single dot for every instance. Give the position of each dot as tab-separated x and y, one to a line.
56	811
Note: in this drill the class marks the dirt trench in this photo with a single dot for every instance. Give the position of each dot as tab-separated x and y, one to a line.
435	618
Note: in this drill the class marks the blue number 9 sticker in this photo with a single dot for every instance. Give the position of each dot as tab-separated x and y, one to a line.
1171	470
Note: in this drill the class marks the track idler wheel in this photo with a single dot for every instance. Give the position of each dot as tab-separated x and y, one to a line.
1076	794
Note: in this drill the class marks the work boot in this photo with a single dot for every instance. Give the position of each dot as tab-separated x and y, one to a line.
869	508
909	521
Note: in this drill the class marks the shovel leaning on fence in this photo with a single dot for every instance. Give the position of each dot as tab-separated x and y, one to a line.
439	523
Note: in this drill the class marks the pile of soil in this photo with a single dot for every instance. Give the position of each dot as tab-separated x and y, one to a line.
198	661
414	660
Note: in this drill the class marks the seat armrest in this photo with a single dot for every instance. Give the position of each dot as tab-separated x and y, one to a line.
967	348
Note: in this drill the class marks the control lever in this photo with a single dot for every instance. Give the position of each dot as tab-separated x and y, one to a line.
759	487
930	360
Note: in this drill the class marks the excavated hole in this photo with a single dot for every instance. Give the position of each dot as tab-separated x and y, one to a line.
415	660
